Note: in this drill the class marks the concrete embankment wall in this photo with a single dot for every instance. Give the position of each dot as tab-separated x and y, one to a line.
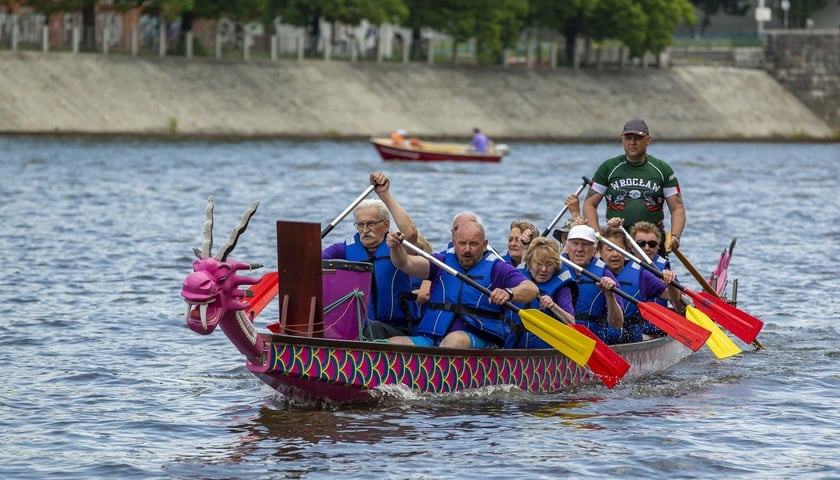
807	63
96	94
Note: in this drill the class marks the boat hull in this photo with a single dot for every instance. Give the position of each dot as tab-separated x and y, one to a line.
348	371
431	152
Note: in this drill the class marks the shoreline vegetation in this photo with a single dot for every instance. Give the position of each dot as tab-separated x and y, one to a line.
103	97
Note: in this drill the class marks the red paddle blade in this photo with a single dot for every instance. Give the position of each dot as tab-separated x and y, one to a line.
740	323
264	292
604	362
689	334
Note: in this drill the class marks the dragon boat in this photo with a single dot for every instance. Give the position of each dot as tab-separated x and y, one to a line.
313	347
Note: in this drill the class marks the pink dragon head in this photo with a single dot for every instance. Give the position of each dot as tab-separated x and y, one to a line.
212	291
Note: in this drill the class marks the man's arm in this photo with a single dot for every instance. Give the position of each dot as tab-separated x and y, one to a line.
403	220
413	265
677	209
590	208
615	307
508	276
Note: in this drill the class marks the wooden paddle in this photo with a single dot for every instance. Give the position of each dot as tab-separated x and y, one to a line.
347	210
719	343
741	324
685	332
571	343
586	181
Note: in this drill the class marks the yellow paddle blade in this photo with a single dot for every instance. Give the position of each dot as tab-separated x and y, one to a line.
568	341
719	343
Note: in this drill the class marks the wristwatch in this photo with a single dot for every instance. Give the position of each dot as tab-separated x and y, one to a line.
509	292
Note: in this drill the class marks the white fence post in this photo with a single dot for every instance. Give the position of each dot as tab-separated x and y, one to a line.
188	38
106	32
76	37
162	39
431	58
300	41
135	40
45	38
15	33
274	40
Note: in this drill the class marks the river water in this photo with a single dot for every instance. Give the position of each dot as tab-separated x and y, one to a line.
101	380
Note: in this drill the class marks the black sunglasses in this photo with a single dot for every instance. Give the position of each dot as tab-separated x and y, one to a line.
650	243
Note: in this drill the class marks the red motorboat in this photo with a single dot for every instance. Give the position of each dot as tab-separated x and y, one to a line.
435	152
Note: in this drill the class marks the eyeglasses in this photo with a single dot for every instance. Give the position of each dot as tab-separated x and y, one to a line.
362	225
650	243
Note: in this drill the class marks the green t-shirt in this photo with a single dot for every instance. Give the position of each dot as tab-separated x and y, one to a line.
636	192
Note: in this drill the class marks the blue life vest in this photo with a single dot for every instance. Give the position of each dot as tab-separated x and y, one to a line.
661	263
591	305
628	281
390	290
452	298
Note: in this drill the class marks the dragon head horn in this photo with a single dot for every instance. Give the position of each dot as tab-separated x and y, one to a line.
205	252
227	248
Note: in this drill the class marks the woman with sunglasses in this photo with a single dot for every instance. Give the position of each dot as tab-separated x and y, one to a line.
637	282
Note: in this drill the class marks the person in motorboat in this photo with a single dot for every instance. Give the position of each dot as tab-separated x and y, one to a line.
557	287
401	139
479	143
597	307
458	315
392	307
636	185
638	283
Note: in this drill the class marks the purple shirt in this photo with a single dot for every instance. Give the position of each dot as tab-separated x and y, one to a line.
650	286
479	143
336	251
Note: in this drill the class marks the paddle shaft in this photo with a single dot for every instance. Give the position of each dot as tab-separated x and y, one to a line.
636	246
708	288
586	181
595	278
695	273
647	266
455	273
347	210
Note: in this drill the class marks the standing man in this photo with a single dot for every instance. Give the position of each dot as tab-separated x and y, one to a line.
636	185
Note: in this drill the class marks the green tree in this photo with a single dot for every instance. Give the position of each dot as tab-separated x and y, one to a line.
494	24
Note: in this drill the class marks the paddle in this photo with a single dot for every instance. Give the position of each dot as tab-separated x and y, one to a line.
604	362
586	181
571	343
347	210
695	273
685	332
719	343
741	324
